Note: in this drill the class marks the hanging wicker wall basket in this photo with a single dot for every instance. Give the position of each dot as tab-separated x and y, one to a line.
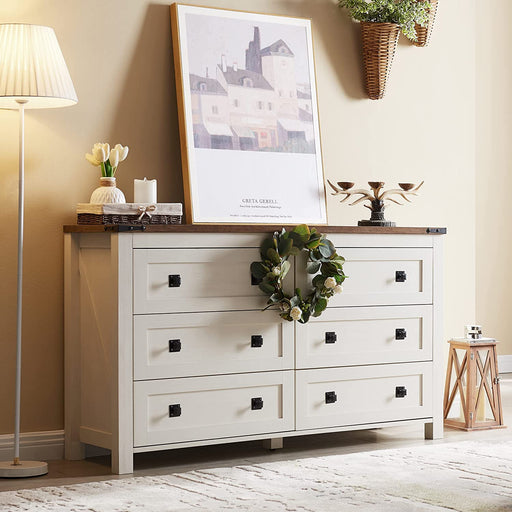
379	45
424	33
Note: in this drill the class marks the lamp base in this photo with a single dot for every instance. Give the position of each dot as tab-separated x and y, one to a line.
24	469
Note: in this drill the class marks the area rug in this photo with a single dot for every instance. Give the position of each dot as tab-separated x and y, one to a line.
462	477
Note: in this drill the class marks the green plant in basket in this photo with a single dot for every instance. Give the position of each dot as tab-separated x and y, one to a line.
323	261
406	13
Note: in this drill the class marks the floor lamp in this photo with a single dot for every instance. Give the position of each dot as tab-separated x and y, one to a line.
33	74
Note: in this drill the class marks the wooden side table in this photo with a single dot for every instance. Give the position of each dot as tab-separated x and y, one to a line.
474	368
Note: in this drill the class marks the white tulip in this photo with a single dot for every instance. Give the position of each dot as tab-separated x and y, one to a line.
338	288
101	152
296	313
114	158
92	160
123	151
98	152
330	282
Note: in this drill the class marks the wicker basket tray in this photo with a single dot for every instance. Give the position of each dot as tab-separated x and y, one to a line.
129	213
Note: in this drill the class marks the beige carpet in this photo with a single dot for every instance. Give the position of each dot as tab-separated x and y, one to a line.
462	477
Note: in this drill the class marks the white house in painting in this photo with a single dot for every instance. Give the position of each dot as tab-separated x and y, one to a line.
259	108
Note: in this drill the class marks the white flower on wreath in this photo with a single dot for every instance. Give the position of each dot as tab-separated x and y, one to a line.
296	313
338	288
276	271
330	283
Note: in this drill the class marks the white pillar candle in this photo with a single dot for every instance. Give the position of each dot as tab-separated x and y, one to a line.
144	191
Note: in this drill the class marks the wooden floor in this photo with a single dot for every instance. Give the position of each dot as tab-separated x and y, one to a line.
155	463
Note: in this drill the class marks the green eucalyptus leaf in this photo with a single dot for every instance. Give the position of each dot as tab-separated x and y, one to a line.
326	248
294	301
285	245
320	305
313	267
266	287
285	268
328	269
305	317
273	256
313	243
298	241
315	255
318	281
267	244
259	270
303	231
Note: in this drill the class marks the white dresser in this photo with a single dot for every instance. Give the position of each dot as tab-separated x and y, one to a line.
166	345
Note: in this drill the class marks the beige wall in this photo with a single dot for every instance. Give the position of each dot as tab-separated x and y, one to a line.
494	176
118	54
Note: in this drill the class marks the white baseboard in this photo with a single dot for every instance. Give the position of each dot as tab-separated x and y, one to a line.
34	445
505	364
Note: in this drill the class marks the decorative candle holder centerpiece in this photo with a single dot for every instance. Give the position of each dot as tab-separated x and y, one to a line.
108	160
377	197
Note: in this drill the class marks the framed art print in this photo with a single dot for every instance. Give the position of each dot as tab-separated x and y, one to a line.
247	103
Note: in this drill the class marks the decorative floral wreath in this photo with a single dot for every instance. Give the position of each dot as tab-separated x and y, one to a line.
323	261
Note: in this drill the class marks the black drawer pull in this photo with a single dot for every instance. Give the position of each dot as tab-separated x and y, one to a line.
255	281
330	397
256	403
174	280
330	337
400	392
174	410
174	345
400	276
256	341
400	334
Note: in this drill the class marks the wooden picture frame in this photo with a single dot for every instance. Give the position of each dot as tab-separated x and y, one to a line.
248	115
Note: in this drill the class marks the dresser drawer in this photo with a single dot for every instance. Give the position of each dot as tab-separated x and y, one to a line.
366	394
194	344
188	280
198	408
386	276
359	336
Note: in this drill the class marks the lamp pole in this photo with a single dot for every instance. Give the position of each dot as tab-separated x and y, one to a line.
21	219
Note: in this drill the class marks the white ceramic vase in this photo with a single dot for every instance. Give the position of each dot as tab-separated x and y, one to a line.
107	192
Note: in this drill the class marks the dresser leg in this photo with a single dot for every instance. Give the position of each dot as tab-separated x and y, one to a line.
122	463
434	430
273	444
74	450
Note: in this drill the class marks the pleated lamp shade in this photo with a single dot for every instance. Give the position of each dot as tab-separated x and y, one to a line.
32	68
